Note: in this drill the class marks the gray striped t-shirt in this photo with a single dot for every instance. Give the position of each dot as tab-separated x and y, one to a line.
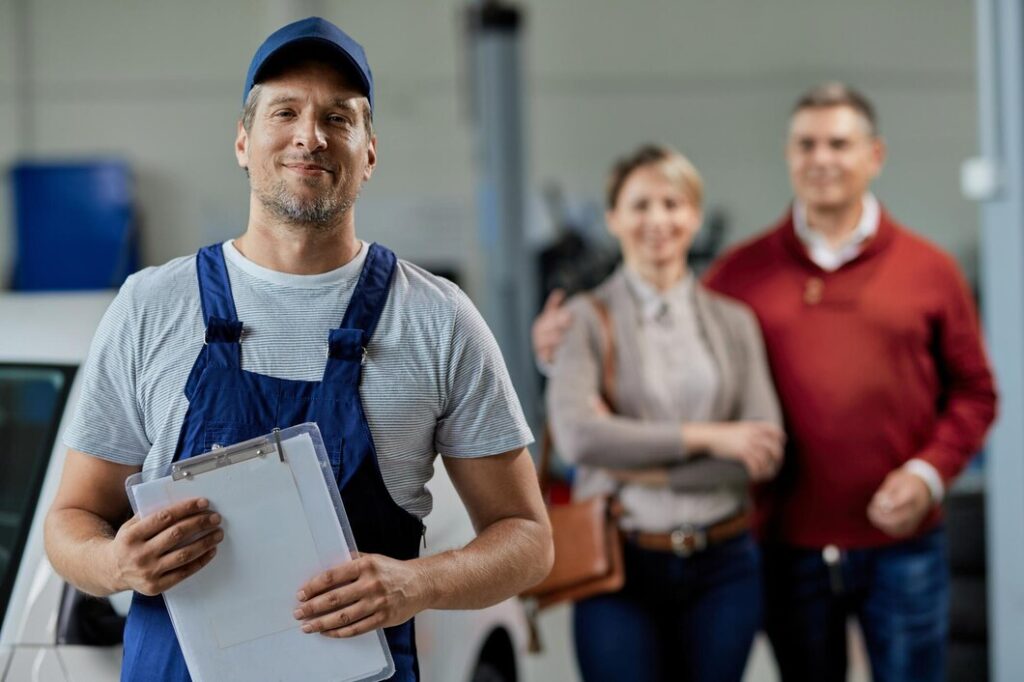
433	382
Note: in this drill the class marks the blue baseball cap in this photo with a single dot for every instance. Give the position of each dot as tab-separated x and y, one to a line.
319	34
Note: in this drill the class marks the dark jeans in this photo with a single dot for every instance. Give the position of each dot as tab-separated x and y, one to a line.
691	619
899	595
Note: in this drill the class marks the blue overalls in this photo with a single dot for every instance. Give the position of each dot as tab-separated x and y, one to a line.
228	404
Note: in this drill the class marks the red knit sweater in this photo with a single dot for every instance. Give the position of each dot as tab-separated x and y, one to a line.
875	363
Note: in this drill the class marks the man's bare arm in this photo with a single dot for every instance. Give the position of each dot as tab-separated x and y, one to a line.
513	549
511	552
145	555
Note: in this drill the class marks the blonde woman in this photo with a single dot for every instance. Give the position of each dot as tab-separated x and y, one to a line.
694	420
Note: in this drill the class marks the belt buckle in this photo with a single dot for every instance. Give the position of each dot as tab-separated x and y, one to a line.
687	540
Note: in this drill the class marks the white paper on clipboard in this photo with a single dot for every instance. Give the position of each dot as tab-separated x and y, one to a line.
283	523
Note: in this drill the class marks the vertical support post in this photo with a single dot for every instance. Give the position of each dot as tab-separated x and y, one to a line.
496	75
1000	37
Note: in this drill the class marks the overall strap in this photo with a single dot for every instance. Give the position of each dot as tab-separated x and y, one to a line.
223	329
371	291
214	284
349	341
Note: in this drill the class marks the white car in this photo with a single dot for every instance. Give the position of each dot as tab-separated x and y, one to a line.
52	633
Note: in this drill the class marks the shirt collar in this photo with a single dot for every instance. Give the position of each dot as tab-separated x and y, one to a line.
348	271
824	254
653	304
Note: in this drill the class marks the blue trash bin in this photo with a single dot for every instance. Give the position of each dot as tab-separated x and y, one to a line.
75	225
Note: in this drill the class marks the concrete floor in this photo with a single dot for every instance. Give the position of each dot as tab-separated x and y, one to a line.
556	662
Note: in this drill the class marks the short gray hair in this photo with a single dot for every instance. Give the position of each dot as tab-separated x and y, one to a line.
249	109
837	94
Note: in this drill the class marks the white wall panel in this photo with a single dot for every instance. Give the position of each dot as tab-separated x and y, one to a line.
159	84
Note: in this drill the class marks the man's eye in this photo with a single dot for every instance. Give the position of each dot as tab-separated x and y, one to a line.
337	119
284	113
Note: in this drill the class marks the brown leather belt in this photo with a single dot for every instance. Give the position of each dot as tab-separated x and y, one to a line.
688	540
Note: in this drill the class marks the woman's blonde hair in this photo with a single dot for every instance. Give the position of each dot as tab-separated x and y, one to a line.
673	165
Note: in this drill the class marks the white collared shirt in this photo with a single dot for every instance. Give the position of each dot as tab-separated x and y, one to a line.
830	258
819	250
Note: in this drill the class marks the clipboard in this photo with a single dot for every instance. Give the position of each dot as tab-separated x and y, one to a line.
283	523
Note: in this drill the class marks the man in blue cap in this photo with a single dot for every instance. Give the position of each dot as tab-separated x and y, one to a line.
412	371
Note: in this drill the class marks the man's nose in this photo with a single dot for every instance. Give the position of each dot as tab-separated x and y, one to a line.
821	154
309	135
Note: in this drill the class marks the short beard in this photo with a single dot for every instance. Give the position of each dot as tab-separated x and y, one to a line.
321	213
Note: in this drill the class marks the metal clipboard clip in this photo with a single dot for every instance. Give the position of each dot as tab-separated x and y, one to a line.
233	454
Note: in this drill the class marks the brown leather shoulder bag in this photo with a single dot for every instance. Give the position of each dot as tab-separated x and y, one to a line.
588	543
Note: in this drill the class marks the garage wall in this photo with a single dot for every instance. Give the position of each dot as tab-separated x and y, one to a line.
159	84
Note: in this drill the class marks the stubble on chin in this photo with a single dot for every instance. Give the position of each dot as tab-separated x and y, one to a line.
321	213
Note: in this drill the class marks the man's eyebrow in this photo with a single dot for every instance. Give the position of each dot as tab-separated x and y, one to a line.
346	103
339	102
281	99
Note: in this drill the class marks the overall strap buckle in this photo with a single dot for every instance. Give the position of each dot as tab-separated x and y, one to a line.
219	330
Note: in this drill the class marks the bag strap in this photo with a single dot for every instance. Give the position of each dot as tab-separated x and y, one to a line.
543	477
604	319
607	344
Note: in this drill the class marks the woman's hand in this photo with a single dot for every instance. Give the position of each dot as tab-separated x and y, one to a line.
757	445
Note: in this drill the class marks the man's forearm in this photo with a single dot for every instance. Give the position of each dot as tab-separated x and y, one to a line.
507	557
77	544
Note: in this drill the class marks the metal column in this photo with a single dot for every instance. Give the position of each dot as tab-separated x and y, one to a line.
509	266
996	179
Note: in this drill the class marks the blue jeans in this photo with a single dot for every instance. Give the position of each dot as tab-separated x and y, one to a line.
676	618
899	594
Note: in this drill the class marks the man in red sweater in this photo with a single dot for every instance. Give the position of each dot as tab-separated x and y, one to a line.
874	344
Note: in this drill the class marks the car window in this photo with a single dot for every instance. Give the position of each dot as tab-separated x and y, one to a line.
32	400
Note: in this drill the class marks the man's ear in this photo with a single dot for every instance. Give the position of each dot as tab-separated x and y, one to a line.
242	146
371	158
879	151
